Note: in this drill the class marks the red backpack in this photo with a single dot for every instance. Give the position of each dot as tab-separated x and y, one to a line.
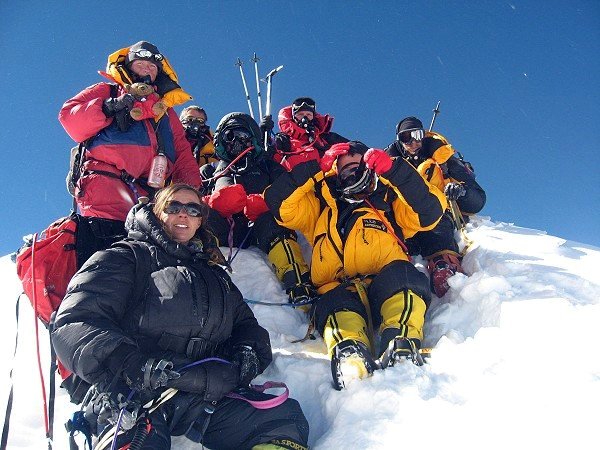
45	265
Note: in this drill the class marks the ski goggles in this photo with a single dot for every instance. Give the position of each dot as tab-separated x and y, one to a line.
148	55
358	184
236	135
304	103
236	140
408	136
191	209
195	126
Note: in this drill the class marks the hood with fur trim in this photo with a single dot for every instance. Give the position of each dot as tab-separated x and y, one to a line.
166	81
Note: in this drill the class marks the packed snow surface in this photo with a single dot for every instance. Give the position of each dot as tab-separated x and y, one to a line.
515	364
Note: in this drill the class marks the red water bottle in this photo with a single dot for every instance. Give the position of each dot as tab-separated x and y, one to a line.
158	172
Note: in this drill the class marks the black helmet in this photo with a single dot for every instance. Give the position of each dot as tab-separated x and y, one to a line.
234	131
409	124
409	129
146	51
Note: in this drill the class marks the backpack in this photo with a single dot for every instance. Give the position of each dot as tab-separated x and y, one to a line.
46	263
49	259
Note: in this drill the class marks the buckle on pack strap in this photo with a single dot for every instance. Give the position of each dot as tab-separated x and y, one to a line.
196	347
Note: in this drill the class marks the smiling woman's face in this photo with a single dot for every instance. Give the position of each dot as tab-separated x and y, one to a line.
181	227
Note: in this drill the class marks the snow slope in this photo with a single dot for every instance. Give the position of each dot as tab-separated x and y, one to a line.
516	363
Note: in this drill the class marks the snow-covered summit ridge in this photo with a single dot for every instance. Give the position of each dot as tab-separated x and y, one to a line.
515	361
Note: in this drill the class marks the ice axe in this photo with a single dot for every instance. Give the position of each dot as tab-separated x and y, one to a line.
436	111
457	217
269	80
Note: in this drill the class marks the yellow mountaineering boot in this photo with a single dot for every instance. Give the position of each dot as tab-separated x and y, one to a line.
280	444
291	269
346	338
401	329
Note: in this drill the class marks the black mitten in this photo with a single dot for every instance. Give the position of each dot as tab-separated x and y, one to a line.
454	191
245	358
283	143
266	125
212	379
111	106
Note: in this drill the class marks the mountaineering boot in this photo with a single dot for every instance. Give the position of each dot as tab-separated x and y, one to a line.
280	444
351	360
398	348
440	269
291	269
301	294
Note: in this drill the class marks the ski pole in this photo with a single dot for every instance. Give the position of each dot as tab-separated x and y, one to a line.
269	79
239	64
255	59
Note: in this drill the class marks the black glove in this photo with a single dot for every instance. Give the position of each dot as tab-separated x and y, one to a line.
454	191
211	379
111	106
149	375
266	125
283	143
245	358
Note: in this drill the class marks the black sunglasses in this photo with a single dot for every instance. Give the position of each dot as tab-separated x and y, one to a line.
191	119
191	209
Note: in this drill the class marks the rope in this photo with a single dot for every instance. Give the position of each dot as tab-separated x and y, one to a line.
250	225
291	305
37	346
231	223
229	166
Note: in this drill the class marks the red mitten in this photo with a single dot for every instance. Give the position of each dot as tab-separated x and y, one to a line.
377	160
331	155
229	200
255	207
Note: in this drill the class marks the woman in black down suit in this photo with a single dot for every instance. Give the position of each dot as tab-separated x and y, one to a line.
137	313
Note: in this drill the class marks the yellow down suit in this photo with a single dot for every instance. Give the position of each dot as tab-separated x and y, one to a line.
358	264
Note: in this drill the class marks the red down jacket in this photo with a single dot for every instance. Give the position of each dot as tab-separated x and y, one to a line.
117	152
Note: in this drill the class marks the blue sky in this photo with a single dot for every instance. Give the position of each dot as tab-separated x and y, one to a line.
518	82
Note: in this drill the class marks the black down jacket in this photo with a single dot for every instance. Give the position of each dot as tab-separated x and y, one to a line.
166	303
